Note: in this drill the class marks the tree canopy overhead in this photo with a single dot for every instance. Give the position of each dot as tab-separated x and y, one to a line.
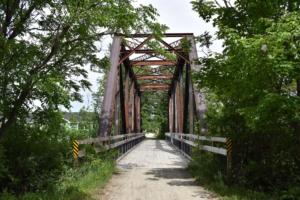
44	46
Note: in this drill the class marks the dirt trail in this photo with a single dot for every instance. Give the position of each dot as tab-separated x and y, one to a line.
153	171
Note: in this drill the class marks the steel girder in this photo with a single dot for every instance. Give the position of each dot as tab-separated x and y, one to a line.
131	75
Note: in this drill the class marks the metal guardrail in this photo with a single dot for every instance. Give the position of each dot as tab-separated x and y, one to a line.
189	140
120	142
185	143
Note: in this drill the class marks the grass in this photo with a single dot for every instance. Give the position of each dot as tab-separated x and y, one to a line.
204	172
77	183
226	192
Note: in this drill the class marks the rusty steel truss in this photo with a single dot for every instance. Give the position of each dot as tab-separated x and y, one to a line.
137	67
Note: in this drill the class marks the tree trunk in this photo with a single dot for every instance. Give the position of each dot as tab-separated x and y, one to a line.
12	116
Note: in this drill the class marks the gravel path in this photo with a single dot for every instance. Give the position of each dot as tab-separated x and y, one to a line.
153	171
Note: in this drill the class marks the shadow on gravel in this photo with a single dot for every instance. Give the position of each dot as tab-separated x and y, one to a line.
183	178
183	183
169	173
153	179
159	146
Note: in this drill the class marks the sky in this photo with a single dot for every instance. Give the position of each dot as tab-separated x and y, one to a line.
178	16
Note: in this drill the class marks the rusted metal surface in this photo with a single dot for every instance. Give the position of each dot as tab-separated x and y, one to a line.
191	105
176	110
171	113
122	99
110	89
126	100
153	62
186	99
144	57
151	51
137	108
131	108
130	44
174	50
176	44
180	100
131	74
135	49
117	107
154	77
166	35
148	56
199	97
155	87
180	62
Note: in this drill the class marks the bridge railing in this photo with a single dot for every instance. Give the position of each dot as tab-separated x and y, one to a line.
122	143
186	142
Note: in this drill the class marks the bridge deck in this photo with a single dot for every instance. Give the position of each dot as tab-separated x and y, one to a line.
153	170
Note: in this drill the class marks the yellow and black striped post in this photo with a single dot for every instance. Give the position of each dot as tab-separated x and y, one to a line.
75	149
229	155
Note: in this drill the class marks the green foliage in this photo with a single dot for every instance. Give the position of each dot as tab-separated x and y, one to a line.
244	17
3	163
209	171
7	196
205	166
253	89
155	113
43	54
160	49
37	154
74	183
34	158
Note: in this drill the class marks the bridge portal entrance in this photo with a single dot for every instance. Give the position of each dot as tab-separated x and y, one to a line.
143	63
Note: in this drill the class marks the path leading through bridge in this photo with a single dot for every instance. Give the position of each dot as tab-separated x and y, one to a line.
154	170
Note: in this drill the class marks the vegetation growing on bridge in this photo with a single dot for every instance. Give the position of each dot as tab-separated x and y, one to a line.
253	91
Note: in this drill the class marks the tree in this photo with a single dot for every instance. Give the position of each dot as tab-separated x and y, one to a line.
245	17
44	46
155	112
253	87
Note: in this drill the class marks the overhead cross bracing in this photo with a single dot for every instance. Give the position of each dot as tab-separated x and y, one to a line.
152	65
148	63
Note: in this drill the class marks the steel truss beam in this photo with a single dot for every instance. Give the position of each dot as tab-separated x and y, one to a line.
153	62
123	90
147	56
110	90
154	77
155	87
135	49
151	51
147	35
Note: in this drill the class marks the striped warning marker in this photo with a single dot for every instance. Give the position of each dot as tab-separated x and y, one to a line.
229	155
75	149
229	146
